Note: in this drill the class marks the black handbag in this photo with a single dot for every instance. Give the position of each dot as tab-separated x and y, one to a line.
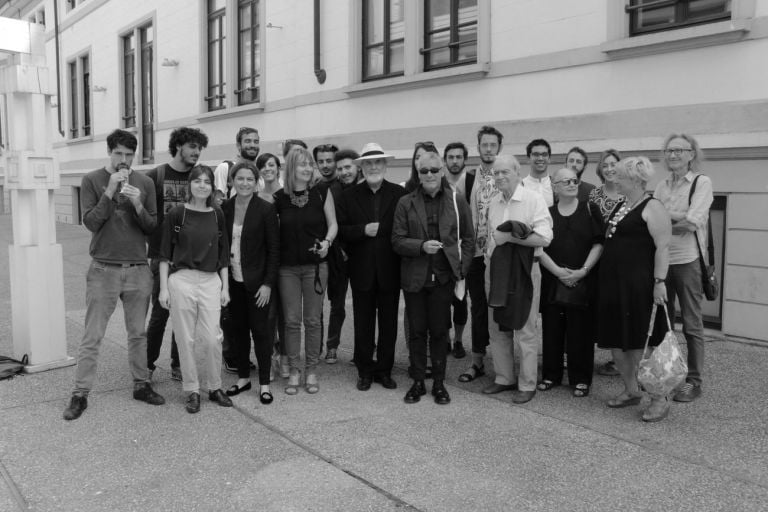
572	296
708	278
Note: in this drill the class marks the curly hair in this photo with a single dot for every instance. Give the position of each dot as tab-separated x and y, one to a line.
184	135
123	138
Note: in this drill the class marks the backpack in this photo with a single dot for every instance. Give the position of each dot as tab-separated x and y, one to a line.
9	367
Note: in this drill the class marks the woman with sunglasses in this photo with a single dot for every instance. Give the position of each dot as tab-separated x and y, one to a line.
568	287
194	283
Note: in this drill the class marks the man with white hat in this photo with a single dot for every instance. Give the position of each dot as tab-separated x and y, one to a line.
365	215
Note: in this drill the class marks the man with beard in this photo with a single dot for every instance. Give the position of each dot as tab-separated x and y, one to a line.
184	145
366	213
324	156
455	156
489	143
247	143
346	168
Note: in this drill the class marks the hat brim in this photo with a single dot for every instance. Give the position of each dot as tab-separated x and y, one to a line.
374	157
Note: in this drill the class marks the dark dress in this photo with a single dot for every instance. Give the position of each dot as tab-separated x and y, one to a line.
625	285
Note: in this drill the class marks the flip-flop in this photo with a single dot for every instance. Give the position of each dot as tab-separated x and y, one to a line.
471	374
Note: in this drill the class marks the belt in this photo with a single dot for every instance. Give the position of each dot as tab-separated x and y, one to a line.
122	265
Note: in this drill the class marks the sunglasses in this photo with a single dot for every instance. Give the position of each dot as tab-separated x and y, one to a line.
427	170
569	181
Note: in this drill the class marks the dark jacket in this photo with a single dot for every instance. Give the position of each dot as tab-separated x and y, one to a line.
511	291
410	232
259	243
372	262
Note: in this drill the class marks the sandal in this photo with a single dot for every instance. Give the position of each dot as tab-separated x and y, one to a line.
266	397
581	390
310	384
472	373
292	388
546	385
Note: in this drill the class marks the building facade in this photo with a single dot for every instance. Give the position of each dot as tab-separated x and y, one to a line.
594	73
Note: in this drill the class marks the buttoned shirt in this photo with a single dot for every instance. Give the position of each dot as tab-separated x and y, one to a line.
673	194
524	206
543	186
482	192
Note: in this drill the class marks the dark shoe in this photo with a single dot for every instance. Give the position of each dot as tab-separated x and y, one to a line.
458	351
608	369
331	357
77	404
472	373
193	403
266	398
364	383
235	390
220	398
688	392
498	388
386	381
416	392
146	394
624	400
546	385
581	390
521	397
176	373
441	394
230	367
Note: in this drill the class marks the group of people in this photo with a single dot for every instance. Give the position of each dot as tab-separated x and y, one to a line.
243	255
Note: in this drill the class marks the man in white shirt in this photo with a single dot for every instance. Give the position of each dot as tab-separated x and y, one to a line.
539	152
247	143
516	203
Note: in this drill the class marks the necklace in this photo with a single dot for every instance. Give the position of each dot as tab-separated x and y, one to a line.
299	199
623	211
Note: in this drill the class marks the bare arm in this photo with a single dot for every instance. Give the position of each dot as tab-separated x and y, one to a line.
660	228
330	220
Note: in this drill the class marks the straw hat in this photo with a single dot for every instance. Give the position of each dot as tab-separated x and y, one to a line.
372	151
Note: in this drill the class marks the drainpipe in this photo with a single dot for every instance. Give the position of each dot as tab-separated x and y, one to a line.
58	63
319	72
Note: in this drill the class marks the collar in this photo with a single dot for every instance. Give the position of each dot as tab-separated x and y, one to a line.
545	179
517	195
689	176
482	172
427	196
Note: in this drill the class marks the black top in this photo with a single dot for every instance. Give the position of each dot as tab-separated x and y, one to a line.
301	227
195	240
573	238
439	267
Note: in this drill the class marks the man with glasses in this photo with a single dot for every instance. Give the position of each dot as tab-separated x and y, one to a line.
247	144
489	144
576	159
520	204
427	225
365	216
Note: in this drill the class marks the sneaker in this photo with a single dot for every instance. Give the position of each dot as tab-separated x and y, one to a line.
330	356
688	392
230	367
608	369
145	393
176	373
76	407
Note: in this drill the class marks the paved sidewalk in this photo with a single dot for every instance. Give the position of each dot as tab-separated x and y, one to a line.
347	450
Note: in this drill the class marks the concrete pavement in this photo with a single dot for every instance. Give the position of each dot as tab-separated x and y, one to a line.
347	450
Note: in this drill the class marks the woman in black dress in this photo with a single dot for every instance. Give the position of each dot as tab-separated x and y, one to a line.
568	287
631	279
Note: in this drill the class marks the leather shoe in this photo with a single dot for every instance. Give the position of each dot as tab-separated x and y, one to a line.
220	398
235	390
193	403
441	394
77	405
458	351
498	388
416	392
364	383
521	397
386	381
146	394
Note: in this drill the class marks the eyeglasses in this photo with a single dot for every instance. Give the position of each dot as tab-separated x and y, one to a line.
568	181
675	151
539	155
427	170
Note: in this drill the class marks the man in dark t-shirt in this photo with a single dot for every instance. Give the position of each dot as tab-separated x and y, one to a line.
185	146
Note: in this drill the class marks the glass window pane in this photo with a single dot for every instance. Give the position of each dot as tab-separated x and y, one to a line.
375	21
439	14
704	8
215	5
468	51
650	18
467	11
375	61
396	20
396	57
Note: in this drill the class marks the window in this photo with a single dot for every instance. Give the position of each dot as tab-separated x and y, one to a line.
85	74
37	17
138	88
79	76
71	4
216	54
450	33
383	38
248	52
657	15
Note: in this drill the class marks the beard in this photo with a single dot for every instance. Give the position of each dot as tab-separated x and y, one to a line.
245	155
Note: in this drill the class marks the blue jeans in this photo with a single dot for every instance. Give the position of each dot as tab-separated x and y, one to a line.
684	282
298	295
104	285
